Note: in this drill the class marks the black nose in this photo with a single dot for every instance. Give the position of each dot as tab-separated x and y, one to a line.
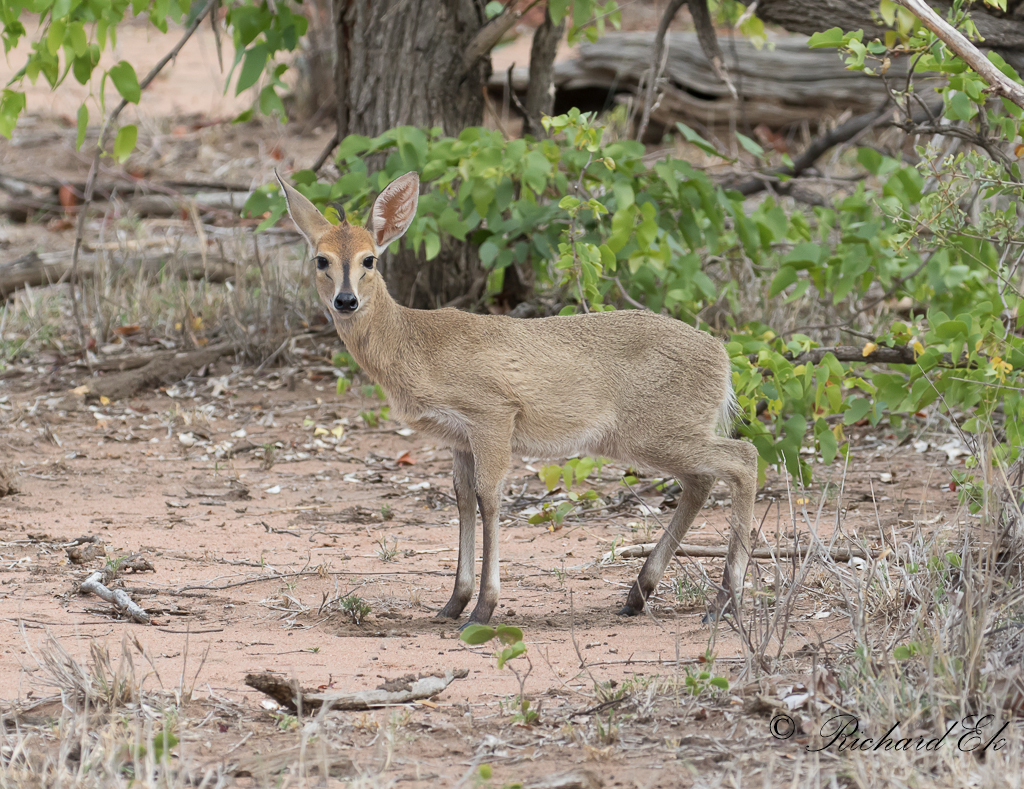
346	302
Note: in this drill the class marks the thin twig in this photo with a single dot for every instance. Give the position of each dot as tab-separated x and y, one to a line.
90	183
325	153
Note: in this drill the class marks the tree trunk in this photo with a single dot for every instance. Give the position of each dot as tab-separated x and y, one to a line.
540	91
1002	31
400	62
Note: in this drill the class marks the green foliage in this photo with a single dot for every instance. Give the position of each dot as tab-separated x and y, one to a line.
355	607
587	18
603	228
697	682
512	637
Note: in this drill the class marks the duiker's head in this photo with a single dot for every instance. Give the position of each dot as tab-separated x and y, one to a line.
346	255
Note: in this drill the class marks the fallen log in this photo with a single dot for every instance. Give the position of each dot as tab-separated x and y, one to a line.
720	552
777	87
394	691
20	206
160	368
47	268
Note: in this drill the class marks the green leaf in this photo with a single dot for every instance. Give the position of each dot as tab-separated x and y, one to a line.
83	126
79	41
959	107
624	195
508	635
432	245
950	330
692	137
802	255
858	409
55	36
508	653
270	102
353	144
252	67
12	104
477	634
551	475
127	84
719	682
125	141
749	145
558	10
786	277
833	37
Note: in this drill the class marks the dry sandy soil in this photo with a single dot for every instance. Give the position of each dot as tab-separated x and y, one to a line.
257	519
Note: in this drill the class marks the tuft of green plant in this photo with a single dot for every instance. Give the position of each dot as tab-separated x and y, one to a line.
689	593
373	417
355	607
385	552
512	638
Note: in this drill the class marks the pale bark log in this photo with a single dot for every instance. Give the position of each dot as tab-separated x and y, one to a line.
720	551
395	691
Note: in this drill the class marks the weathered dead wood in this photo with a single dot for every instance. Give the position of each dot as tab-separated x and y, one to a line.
394	691
95	584
160	368
897	354
41	269
777	87
720	552
21	207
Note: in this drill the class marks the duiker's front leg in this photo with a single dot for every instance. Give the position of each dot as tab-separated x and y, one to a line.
464	476
492	461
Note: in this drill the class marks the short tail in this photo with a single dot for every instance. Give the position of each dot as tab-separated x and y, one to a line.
727	411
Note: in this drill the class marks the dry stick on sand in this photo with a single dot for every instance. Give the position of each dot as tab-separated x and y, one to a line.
719	552
394	691
961	45
90	183
119	598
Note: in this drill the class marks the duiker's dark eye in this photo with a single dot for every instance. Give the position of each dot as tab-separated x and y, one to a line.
368	261
321	262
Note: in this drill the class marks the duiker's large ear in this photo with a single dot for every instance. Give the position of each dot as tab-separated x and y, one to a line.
394	209
310	222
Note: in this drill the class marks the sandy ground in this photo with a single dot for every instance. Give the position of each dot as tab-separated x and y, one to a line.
250	559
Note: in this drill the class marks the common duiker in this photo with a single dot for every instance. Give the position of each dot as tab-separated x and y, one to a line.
631	385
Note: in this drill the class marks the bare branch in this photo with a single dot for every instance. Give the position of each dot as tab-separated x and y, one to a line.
90	183
959	43
490	34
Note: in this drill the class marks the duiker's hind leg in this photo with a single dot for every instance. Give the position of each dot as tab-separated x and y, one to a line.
464	477
730	460
695	490
736	463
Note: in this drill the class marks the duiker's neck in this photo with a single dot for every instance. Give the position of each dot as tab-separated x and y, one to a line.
376	335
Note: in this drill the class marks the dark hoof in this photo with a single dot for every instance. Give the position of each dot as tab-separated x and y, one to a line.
628	610
721	608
